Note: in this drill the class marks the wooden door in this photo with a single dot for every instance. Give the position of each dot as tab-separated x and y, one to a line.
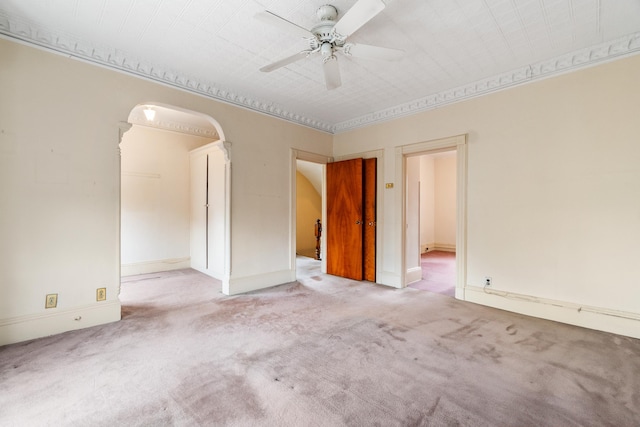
344	230
369	243
351	222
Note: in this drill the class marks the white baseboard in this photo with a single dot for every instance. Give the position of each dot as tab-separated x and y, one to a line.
427	247
598	318
154	266
414	274
240	285
23	328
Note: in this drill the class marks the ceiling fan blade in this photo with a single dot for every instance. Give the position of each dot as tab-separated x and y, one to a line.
281	23
359	14
372	52
285	61
331	73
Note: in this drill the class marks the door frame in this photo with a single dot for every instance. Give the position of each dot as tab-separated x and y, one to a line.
313	158
459	144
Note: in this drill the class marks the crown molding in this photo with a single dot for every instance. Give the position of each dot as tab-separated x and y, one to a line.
23	31
64	44
614	49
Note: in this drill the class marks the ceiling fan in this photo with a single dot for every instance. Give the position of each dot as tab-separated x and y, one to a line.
329	37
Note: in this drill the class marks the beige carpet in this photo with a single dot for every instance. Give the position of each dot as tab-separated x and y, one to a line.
323	351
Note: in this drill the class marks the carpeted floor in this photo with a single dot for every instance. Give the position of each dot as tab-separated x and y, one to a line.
438	273
322	351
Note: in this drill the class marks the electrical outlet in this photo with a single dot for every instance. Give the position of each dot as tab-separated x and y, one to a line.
101	294
487	281
51	301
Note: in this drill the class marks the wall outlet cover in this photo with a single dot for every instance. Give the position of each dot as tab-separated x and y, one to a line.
101	294
51	301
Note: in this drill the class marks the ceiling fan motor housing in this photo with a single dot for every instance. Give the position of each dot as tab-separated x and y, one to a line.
327	13
325	39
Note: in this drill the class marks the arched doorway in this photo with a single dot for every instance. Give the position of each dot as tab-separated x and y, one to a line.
158	230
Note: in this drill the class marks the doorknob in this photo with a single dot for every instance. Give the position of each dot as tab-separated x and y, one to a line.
372	223
358	222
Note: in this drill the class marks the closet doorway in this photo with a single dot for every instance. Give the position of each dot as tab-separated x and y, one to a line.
156	201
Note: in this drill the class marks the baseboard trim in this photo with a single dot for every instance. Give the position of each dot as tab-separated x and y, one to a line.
598	318
241	285
23	328
444	247
428	247
155	266
414	274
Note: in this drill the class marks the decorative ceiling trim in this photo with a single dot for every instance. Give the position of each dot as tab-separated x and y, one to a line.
64	44
118	60
624	46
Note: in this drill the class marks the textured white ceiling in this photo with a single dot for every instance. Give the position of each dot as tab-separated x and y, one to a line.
454	48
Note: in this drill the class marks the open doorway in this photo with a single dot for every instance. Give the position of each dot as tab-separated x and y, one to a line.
434	177
436	207
156	214
307	207
309	217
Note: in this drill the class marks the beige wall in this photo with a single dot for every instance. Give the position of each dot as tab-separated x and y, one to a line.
445	201
438	201
412	218
308	210
60	188
553	212
155	199
427	203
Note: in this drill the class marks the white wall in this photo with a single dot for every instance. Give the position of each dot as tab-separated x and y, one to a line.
155	199
445	201
553	193
60	188
427	203
412	218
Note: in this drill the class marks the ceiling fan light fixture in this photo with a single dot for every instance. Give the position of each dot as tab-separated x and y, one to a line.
326	50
